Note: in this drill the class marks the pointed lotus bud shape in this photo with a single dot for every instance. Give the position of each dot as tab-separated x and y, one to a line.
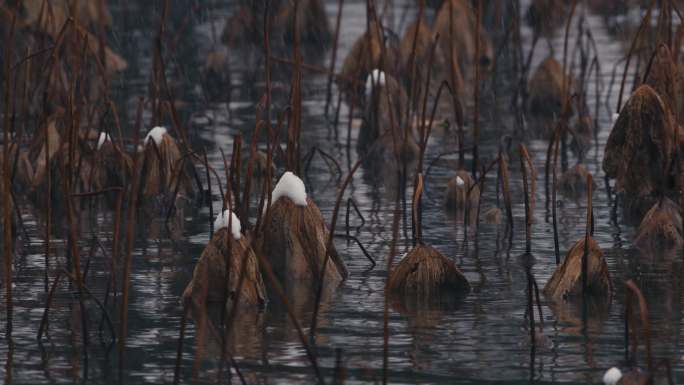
546	89
546	16
639	150
209	278
462	195
573	182
661	227
612	376
295	236
111	167
426	273
164	170
365	55
493	216
456	23
566	281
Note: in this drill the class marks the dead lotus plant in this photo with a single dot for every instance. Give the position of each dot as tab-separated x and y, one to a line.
584	272
294	236
640	149
209	279
164	169
425	274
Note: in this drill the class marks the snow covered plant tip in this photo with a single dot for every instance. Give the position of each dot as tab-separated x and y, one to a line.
222	222
156	134
459	181
104	137
376	77
612	376
290	186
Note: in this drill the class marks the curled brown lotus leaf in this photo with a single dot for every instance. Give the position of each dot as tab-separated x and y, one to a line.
245	26
440	70
72	158
209	281
463	195
635	376
21	169
423	41
294	242
49	17
639	149
663	76
84	11
260	165
241	27
421	57
365	55
566	281
582	135
13	229
679	89
426	273
661	226
545	16
569	316
111	168
463	41
312	21
573	182
546	89
493	216
384	114
39	152
216	73
161	169
387	160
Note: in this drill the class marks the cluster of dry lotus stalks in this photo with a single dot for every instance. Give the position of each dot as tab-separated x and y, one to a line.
643	150
245	27
394	78
293	238
96	165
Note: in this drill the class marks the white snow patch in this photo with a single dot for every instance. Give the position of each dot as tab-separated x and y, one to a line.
222	222
615	117
376	77
156	134
290	186
104	137
612	376
459	181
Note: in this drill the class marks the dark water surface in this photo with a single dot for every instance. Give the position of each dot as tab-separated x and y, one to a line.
484	340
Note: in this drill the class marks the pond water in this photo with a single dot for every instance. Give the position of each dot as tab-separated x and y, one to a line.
484	340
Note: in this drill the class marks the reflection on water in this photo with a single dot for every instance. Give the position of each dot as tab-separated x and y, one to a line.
485	338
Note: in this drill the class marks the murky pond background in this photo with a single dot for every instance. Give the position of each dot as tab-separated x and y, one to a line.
484	340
